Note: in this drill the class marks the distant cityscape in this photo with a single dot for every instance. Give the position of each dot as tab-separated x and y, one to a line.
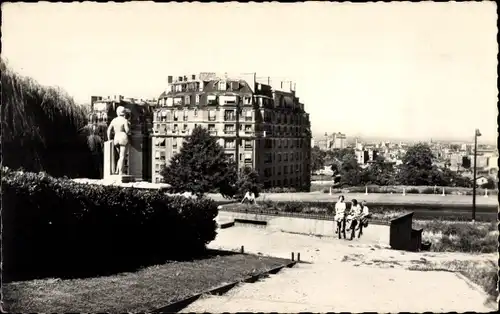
458	156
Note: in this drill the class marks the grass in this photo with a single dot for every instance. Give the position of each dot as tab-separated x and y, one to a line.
142	291
398	189
484	273
457	236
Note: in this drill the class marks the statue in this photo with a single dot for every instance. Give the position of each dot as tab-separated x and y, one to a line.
121	128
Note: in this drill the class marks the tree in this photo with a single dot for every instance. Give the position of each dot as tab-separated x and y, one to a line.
380	173
248	181
350	170
418	167
201	167
317	159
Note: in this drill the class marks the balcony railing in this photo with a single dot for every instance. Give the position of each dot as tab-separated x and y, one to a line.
212	132
213	118
230	132
229	118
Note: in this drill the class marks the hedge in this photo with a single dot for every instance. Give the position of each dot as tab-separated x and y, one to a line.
57	227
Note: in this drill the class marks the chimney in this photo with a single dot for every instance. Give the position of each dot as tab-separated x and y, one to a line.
193	76
180	78
170	79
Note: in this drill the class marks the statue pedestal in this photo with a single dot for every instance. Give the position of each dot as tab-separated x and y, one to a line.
116	179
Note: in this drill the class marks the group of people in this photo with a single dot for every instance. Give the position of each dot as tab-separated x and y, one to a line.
354	219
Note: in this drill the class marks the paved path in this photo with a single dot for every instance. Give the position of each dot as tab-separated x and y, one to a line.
376	197
344	276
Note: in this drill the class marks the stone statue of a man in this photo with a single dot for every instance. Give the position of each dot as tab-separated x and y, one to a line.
121	127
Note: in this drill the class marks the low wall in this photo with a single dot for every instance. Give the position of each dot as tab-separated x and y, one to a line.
378	234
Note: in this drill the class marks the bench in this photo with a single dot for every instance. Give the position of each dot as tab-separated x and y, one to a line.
403	236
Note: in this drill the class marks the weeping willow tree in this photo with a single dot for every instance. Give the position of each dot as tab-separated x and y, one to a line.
43	129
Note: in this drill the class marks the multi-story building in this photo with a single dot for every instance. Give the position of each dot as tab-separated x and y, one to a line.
339	141
261	124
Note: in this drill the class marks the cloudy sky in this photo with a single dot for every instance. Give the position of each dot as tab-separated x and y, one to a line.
395	70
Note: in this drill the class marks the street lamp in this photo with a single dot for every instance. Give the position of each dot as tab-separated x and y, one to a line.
476	135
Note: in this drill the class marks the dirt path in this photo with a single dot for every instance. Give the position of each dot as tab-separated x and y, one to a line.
343	276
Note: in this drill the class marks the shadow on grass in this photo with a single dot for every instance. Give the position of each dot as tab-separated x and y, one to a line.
81	269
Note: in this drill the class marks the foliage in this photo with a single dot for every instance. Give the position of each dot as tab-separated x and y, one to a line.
105	226
447	236
418	167
379	173
350	171
491	184
201	166
248	181
281	190
317	159
41	128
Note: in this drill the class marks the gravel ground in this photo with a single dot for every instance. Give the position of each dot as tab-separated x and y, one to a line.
342	276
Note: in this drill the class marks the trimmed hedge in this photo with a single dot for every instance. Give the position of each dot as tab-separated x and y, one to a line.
57	227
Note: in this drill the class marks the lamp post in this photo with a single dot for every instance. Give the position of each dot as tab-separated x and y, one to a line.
476	135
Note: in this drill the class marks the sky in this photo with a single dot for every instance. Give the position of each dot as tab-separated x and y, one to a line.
389	70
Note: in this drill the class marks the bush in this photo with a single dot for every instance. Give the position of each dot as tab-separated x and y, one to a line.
412	191
281	190
460	236
53	226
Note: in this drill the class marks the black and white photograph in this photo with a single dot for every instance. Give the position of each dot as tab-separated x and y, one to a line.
203	157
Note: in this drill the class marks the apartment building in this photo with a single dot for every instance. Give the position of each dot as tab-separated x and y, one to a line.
260	123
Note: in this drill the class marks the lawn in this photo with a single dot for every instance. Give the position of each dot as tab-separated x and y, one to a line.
142	291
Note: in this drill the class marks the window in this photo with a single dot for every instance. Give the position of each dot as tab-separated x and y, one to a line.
211	115
247	100
248	157
229	115
229	128
174	142
160	142
187	100
178	101
248	115
285	157
229	143
200	86
185	115
178	88
196	112
279	157
211	99
248	129
222	85
197	100
169	102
